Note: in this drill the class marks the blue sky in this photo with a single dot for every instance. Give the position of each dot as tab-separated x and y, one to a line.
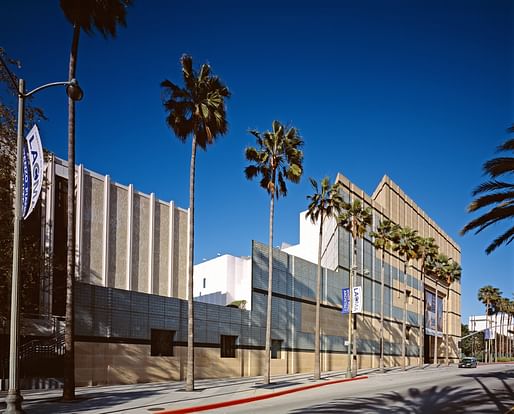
421	91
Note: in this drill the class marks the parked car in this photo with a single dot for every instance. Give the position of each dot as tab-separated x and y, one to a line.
468	362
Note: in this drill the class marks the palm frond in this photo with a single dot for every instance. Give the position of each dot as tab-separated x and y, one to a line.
102	16
499	166
507	145
493	216
505	238
492	185
487	200
251	172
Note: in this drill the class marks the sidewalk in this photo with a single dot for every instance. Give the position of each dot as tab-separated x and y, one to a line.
170	396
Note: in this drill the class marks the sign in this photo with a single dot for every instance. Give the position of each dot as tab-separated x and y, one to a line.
431	319
33	180
357	299
489	334
346	301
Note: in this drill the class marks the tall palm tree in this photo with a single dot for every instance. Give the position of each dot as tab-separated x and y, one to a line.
406	244
277	158
427	252
325	203
355	219
488	295
383	237
103	16
510	315
196	110
452	273
438	269
498	195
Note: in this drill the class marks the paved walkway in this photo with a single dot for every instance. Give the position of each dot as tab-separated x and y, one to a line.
171	396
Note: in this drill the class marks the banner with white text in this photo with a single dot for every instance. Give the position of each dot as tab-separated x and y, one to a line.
32	171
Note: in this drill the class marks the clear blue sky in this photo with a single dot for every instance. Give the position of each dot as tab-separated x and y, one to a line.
419	90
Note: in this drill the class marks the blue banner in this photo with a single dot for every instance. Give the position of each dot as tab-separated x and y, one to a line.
27	189
346	301
433	321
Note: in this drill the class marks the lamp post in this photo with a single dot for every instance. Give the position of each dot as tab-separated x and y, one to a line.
13	399
349	370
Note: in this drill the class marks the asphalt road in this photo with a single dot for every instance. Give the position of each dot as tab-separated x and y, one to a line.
486	389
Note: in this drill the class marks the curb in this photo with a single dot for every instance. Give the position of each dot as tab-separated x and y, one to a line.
229	403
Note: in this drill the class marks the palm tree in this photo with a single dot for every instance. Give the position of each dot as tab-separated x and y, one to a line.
488	295
406	244
89	16
383	240
510	315
499	195
438	269
453	273
427	252
355	219
278	157
325	203
196	110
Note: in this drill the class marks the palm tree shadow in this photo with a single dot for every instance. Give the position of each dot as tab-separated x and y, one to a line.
503	399
432	400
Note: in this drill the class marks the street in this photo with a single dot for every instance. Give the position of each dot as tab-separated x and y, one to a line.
486	389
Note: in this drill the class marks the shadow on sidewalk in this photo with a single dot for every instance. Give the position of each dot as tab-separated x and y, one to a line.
444	400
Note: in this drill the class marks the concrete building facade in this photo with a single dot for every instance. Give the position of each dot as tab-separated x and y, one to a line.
126	336
131	311
124	238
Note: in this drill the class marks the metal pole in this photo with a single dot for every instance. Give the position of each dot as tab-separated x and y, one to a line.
13	399
350	322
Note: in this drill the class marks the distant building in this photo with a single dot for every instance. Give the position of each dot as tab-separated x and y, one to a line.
223	280
498	324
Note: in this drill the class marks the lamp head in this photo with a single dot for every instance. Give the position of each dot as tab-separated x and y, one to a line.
74	91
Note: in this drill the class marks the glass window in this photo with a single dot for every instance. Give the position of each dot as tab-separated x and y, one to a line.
276	347
161	342
228	346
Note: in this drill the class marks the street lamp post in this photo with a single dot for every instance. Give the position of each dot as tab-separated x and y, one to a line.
349	370
14	399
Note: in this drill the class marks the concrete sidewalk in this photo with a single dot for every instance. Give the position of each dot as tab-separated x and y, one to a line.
170	396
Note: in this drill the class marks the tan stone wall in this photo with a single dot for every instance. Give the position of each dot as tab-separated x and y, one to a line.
112	363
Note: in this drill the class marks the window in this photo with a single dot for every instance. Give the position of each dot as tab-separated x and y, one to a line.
407	333
204	282
409	298
161	342
228	346
276	346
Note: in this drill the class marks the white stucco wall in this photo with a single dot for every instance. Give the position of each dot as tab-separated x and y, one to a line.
478	323
308	247
226	274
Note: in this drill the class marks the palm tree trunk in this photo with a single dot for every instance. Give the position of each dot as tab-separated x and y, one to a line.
487	341
354	336
317	353
421	317
69	330
495	337
190	372
501	335
509	339
436	317
267	347
381	364
404	322
447	326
